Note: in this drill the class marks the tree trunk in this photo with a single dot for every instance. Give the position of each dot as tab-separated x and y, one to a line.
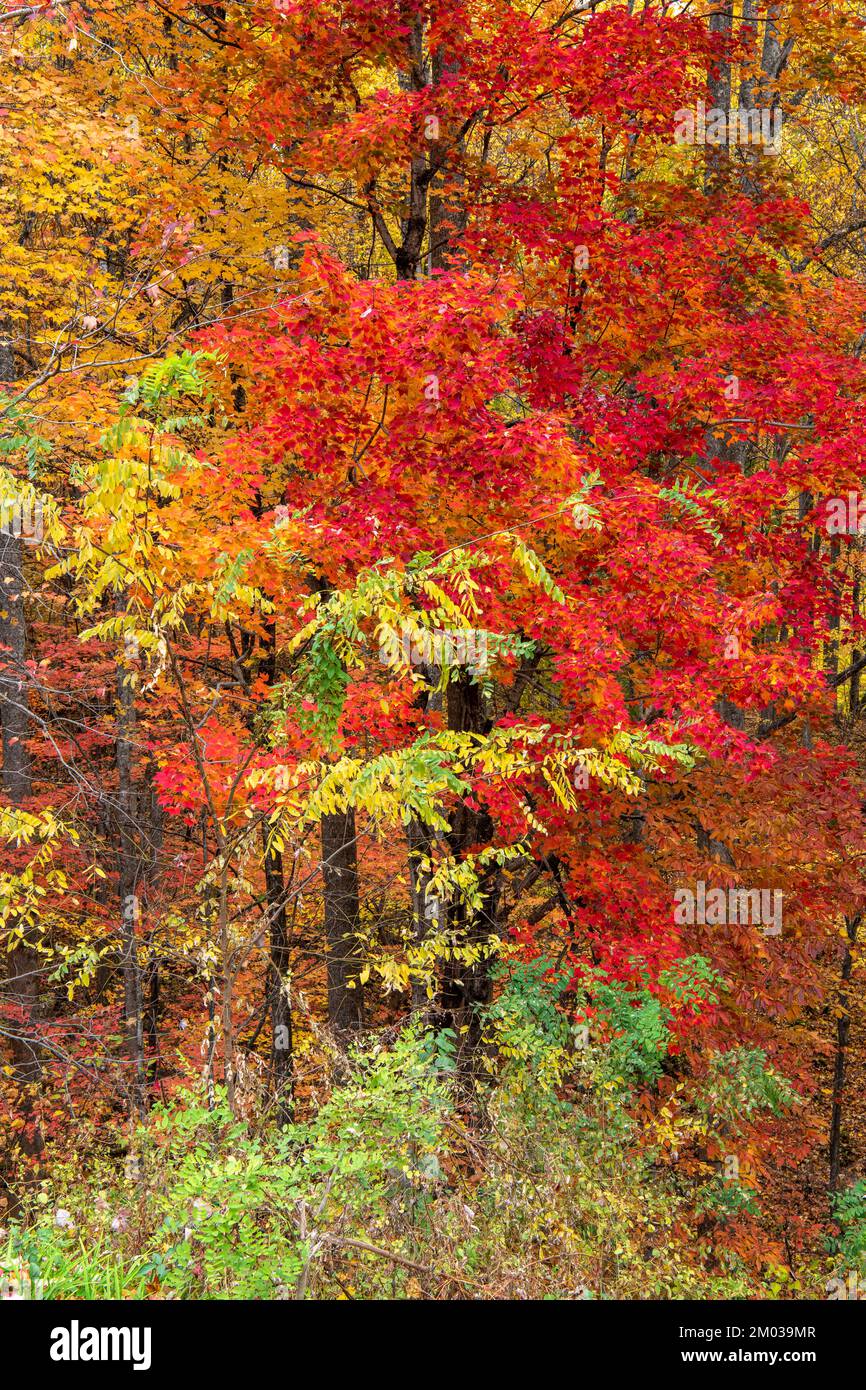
843	1029
342	911
466	988
279	998
447	209
719	95
279	1002
425	908
133	1029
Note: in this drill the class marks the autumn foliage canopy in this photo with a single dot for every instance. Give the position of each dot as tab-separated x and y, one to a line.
421	618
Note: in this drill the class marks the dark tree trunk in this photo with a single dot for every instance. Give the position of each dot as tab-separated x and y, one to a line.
467	988
843	1029
407	255
342	911
447	209
425	909
133	1028
279	999
719	93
